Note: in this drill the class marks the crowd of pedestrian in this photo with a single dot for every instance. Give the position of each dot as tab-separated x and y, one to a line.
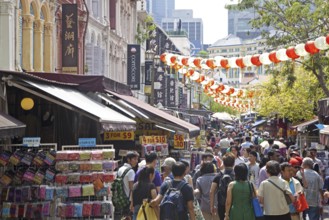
234	168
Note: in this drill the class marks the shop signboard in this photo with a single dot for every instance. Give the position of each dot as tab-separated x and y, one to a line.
119	136
31	141
70	51
171	92
87	142
159	88
144	140
133	66
179	141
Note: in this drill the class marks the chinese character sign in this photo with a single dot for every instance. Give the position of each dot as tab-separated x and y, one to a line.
70	54
171	93
159	88
148	72
133	66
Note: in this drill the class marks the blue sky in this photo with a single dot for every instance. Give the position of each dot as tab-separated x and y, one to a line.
213	14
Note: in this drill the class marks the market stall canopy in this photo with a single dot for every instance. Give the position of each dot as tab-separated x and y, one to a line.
258	123
303	126
160	117
79	102
10	127
224	116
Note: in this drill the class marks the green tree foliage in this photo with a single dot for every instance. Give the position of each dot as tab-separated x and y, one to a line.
203	54
294	21
292	92
144	32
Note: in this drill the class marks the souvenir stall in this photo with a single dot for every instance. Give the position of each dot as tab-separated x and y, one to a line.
83	180
27	180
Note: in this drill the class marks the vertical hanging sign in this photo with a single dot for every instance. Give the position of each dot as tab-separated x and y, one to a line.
159	88
70	53
133	66
171	92
148	72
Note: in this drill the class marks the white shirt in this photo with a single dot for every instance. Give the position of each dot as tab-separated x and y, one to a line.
130	176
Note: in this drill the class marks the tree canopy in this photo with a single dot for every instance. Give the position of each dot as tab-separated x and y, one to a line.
291	93
293	21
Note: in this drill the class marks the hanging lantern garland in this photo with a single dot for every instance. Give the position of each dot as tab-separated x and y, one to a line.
223	93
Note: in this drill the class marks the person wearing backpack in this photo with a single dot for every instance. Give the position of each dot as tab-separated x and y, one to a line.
175	197
220	184
125	181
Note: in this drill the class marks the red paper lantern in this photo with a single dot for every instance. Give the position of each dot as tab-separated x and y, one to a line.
311	48
185	61
273	57
201	78
327	39
231	91
255	60
163	57
197	62
224	63
210	83
291	53
239	62
210	63
173	59
220	88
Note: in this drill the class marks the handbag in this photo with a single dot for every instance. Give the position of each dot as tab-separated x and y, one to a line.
197	210
286	196
146	212
258	211
301	203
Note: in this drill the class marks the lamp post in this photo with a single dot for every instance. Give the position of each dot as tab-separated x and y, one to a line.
155	59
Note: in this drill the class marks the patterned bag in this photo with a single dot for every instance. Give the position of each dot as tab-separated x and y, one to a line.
197	210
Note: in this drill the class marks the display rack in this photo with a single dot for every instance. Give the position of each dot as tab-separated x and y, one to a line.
83	182
26	181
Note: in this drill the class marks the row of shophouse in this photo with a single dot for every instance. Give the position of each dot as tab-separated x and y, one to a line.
66	73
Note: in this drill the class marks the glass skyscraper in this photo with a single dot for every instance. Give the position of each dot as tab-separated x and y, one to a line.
159	9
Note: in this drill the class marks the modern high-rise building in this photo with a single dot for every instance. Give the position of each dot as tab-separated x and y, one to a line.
160	9
183	20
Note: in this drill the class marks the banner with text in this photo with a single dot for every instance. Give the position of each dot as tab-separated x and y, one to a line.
119	136
70	51
179	141
133	66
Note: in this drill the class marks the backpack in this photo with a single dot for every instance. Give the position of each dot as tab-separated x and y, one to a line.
172	203
256	140
222	188
119	198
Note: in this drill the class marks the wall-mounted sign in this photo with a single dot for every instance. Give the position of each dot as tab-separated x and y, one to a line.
179	141
119	136
31	141
87	142
133	66
152	139
70	51
171	92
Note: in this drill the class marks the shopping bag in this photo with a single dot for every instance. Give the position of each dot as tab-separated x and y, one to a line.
258	211
146	212
301	203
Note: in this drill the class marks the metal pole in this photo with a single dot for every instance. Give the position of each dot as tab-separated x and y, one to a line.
190	97
152	85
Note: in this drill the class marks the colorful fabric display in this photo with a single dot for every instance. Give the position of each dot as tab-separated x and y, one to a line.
98	184
106	208
46	209
18	177
42	192
96	155
108	154
39	158
18	195
4	158
50	157
109	177
26	193
28	158
97	166
75	191
73	155
39	176
96	175
49	193
50	174
85	178
87	209
15	159
74	166
29	174
73	177
85	166
97	208
62	166
6	209
77	210
35	192
61	155
85	155
61	210
88	190
21	211
61	178
6	179
69	210
62	192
